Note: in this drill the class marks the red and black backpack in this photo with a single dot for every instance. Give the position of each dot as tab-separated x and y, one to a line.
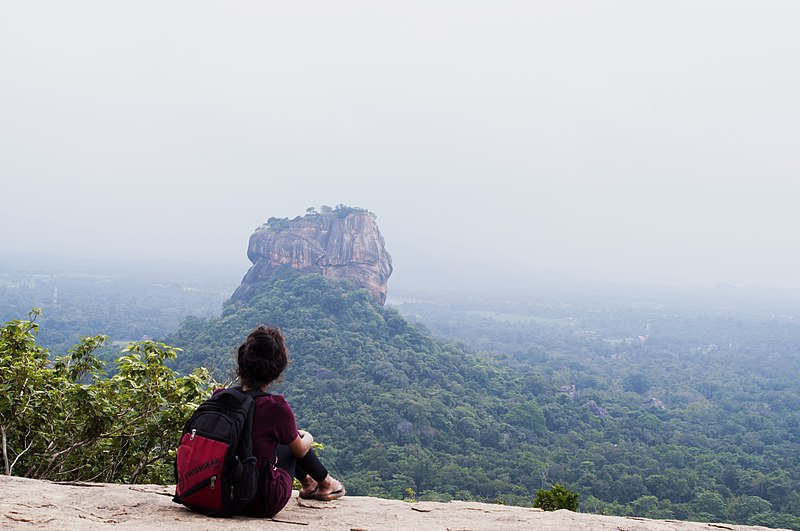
215	471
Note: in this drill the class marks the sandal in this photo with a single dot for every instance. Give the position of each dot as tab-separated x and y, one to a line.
308	494
333	495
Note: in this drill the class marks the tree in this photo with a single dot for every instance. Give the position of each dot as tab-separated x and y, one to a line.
21	387
742	508
709	505
556	498
62	420
528	416
636	382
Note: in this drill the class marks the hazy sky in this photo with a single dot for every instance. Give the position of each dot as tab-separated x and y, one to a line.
616	140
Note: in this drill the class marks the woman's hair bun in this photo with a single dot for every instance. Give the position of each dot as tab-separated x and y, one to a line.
262	357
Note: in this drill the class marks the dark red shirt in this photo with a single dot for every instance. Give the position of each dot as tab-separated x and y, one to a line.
273	424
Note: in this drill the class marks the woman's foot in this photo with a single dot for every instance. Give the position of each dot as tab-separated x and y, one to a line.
309	489
329	489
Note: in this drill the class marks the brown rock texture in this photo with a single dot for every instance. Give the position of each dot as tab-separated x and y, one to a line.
32	504
340	244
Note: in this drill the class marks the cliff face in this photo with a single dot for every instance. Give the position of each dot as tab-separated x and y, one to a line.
342	244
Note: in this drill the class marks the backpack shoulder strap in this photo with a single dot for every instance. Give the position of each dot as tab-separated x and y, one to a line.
245	446
255	393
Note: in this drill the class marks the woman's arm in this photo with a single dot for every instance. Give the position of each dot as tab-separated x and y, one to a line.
302	444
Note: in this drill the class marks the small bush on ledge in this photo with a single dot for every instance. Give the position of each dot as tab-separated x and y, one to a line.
556	498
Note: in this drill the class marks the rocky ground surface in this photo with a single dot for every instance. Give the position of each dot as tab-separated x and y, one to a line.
31	504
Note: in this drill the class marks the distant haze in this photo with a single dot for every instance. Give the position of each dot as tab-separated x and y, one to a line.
646	142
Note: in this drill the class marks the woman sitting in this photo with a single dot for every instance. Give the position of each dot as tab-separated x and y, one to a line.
281	450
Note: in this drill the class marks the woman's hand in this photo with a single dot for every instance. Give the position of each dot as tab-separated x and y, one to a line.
302	444
304	434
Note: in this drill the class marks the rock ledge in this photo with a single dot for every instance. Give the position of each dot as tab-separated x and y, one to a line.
32	504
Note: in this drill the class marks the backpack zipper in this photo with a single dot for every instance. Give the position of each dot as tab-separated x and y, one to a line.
210	482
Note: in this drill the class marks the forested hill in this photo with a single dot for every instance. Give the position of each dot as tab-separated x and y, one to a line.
403	413
399	412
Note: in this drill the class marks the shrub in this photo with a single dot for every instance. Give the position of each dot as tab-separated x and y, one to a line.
61	419
556	498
